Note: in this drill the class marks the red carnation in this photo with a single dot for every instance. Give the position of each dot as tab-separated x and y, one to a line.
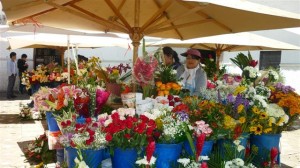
177	99
144	118
134	119
91	132
115	116
171	103
78	126
170	97
129	124
68	122
108	137
152	123
63	124
88	120
95	124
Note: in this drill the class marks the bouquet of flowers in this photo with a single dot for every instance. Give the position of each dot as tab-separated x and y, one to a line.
237	117
126	130
143	72
242	61
62	98
285	98
25	112
166	81
211	112
37	151
40	99
90	72
170	126
81	135
116	73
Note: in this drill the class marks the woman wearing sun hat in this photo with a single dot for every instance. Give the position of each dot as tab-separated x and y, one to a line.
193	76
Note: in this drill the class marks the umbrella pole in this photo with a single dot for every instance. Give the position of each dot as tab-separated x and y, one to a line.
218	53
136	37
69	64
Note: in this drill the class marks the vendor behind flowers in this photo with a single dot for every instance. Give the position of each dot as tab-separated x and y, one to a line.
193	76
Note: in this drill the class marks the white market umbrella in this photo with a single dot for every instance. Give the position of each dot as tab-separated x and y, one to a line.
26	41
159	18
229	42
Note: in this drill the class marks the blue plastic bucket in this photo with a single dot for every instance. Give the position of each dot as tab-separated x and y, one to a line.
52	124
167	155
92	158
124	158
265	143
206	150
35	88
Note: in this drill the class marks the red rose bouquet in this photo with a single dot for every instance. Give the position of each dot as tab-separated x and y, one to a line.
126	130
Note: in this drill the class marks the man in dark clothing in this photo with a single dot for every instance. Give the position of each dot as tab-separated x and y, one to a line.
12	73
23	66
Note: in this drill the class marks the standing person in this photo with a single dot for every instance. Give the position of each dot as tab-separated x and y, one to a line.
171	57
22	66
193	76
12	74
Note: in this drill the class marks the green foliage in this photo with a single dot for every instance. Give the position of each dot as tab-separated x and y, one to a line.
220	155
241	60
166	74
210	67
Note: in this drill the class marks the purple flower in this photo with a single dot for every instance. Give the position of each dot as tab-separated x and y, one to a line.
283	88
230	98
225	76
238	78
240	100
182	116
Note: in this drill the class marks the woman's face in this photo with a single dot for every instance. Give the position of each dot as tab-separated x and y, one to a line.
191	62
168	60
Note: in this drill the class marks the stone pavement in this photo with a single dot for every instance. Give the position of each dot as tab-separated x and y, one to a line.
15	134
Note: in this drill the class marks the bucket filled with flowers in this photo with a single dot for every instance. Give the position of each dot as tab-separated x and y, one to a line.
88	137
127	135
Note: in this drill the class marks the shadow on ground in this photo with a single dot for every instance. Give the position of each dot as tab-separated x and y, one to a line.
13	119
19	96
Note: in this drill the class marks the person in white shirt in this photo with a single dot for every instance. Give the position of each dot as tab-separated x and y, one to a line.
12	74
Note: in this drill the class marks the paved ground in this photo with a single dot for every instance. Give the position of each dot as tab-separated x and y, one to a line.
15	134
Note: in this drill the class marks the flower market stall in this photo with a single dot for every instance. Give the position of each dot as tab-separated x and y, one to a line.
236	121
165	124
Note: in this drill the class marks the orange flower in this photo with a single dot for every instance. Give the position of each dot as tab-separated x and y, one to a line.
60	100
158	84
160	93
